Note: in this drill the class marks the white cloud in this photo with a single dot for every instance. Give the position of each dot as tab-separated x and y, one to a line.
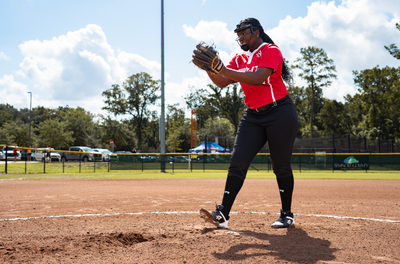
13	92
4	56
352	33
175	91
74	69
212	32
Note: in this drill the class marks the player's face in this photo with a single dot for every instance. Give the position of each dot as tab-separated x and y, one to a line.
243	35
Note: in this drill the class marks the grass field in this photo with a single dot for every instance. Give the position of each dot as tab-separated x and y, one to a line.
101	172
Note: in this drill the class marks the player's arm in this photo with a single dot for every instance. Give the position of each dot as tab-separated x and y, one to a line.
219	80
251	78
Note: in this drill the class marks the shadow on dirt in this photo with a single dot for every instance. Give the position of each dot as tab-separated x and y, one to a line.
295	246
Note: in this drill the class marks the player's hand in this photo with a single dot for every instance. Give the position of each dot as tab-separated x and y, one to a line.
206	58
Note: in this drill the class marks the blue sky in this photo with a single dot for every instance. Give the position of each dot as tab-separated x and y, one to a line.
69	52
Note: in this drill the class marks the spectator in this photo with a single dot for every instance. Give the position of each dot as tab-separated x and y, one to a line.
29	154
134	158
15	153
48	152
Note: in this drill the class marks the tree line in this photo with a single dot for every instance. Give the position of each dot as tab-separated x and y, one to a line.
374	111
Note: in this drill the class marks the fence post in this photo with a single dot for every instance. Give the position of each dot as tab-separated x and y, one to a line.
25	164
80	160
44	165
205	151
333	142
6	158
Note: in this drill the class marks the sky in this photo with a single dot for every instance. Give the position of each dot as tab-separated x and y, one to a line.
69	52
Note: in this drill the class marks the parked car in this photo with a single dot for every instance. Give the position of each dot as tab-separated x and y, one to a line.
9	153
41	154
147	158
66	156
106	154
178	159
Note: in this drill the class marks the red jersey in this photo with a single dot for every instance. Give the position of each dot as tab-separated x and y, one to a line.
273	88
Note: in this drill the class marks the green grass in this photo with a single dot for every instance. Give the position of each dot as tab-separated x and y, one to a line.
71	171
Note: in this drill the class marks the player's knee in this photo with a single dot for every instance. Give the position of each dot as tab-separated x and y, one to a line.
283	172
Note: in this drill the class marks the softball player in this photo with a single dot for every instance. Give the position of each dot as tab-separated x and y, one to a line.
271	117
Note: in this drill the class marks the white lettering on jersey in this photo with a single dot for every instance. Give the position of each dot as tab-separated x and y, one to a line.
247	69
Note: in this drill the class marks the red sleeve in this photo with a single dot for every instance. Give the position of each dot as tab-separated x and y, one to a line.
233	63
271	58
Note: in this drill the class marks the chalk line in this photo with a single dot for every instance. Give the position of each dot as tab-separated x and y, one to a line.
195	212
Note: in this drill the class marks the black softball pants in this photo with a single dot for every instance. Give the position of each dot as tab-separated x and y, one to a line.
278	126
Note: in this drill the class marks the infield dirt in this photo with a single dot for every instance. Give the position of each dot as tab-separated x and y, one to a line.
101	222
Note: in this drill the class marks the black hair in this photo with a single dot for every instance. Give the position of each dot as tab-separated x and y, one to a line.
254	25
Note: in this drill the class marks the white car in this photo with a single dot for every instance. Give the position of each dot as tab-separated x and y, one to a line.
106	154
9	153
40	155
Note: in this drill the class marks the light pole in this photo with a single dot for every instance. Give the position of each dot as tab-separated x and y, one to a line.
30	118
162	117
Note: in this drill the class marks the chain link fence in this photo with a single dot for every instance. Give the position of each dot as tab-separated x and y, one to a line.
171	162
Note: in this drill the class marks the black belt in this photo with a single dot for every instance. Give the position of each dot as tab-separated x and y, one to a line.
265	107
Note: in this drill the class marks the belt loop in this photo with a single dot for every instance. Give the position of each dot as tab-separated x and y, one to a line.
275	103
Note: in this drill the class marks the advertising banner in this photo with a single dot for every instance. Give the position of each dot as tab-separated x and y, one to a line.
351	162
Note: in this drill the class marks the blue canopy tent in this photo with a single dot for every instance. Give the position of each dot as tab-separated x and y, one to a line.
212	147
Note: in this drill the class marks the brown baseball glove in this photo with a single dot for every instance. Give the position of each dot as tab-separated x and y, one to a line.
206	58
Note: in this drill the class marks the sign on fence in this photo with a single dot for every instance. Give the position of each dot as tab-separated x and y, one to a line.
351	162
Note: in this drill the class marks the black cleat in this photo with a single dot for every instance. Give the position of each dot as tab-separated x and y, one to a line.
215	217
285	220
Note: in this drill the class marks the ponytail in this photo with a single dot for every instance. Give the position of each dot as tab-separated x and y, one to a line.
286	73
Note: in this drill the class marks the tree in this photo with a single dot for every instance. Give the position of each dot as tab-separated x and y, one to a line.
317	70
334	118
174	139
300	100
393	49
10	110
137	93
378	101
151	133
120	133
5	137
230	102
199	100
5	117
80	123
177	136
52	131
221	128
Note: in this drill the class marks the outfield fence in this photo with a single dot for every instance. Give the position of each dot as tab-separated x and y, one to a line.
262	162
171	162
